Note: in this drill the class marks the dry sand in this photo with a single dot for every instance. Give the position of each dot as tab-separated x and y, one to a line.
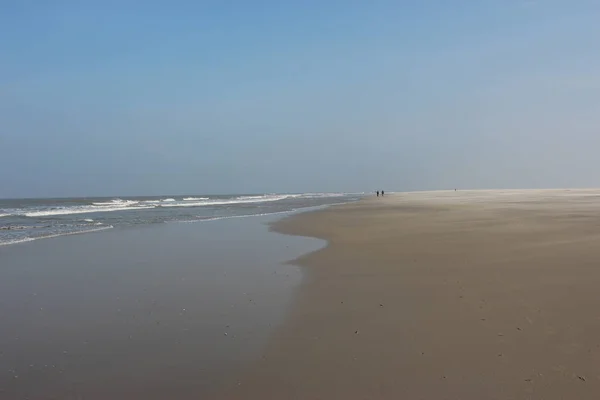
443	295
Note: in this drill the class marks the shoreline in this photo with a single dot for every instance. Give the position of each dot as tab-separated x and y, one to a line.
100	228
462	295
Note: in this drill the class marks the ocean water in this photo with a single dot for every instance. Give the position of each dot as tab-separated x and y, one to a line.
23	220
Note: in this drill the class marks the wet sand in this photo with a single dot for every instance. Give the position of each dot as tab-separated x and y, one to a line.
442	295
164	311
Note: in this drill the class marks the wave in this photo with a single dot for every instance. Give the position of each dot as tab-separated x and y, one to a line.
235	200
292	211
252	197
17	241
81	210
30	239
134	205
5	215
126	205
116	202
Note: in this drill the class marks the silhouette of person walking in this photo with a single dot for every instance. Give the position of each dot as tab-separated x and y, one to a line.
382	193
378	193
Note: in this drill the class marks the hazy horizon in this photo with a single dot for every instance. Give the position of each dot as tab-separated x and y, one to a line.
118	100
387	192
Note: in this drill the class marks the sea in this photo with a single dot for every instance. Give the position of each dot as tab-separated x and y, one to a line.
24	220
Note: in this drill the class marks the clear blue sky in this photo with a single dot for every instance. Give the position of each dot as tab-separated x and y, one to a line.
149	97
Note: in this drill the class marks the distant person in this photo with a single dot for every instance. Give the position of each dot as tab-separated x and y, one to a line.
378	193
382	193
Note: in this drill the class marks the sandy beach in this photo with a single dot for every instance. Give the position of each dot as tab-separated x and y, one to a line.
442	295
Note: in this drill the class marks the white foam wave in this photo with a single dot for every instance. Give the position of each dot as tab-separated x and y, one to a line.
30	239
116	202
129	205
16	241
292	211
81	210
88	220
4	215
236	200
252	197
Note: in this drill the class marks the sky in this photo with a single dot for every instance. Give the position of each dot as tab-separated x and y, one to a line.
106	98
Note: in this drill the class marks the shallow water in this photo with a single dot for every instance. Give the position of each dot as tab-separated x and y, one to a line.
154	311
